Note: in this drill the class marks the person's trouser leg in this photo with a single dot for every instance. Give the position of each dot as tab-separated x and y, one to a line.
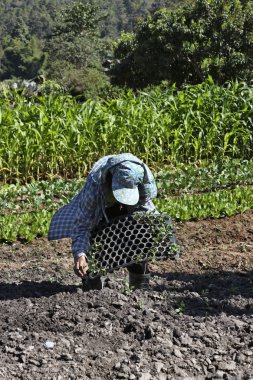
138	275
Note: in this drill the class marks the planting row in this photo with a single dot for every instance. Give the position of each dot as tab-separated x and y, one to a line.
24	226
52	135
37	195
208	205
184	179
204	178
185	207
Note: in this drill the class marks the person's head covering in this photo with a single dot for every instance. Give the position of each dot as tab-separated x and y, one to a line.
126	177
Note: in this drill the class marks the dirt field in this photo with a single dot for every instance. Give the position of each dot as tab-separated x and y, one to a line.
195	322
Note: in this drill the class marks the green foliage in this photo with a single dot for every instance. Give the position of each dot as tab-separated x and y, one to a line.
172	181
26	210
56	135
74	50
77	19
214	204
223	203
24	226
181	308
36	196
22	54
64	30
210	37
204	177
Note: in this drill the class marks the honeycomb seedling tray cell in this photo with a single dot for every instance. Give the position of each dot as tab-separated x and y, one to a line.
126	240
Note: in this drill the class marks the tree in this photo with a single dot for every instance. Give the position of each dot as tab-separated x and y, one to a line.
74	48
210	37
25	27
22	56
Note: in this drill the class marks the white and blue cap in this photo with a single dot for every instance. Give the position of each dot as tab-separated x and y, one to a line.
126	177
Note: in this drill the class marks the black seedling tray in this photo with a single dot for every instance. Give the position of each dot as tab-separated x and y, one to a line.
126	240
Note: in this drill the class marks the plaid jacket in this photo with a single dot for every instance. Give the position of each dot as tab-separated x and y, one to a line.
83	213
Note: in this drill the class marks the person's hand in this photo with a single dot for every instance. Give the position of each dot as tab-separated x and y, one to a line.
80	266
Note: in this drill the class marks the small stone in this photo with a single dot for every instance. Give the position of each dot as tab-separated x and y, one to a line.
23	358
132	377
29	304
239	324
125	347
177	353
158	366
49	344
218	358
28	349
34	362
122	375
186	340
178	371
118	305
10	349
248	353
220	374
240	358
136	358
19	336
229	366
145	376
149	332
211	368
120	351
35	335
177	332
66	357
169	343
65	342
195	294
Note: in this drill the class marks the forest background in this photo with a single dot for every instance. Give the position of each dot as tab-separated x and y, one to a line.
66	41
86	46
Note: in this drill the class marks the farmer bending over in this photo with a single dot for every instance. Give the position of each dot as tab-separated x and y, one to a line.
117	185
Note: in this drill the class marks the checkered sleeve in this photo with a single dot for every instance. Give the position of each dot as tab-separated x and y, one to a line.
85	218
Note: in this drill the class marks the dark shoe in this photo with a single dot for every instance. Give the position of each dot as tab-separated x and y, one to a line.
138	280
92	283
140	268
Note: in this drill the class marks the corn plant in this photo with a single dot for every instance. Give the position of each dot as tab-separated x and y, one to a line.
50	136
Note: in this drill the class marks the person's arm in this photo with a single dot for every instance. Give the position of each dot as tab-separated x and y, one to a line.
83	224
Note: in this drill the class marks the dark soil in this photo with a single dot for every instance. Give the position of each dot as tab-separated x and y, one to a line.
195	321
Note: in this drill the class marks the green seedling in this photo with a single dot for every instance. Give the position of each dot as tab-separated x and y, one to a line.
181	308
